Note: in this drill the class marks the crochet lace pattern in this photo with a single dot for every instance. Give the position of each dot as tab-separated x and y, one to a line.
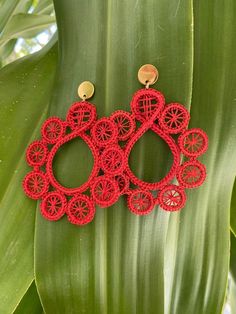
111	175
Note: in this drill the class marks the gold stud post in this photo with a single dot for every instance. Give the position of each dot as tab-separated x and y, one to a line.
86	90
148	75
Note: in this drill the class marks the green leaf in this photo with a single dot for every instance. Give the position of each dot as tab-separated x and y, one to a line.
30	303
44	7
6	50
26	26
198	267
198	264
24	99
116	263
8	8
232	281
233	210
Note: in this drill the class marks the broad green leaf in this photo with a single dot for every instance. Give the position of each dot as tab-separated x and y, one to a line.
30	303
233	210
24	99
116	263
25	25
198	238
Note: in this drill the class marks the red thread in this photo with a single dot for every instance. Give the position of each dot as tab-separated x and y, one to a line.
36	154
125	124
104	132
140	202
35	184
81	210
53	130
191	174
111	174
105	191
81	115
174	118
53	205
193	142
146	104
113	160
123	182
172	198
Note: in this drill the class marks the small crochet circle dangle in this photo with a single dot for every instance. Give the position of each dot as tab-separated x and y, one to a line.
111	140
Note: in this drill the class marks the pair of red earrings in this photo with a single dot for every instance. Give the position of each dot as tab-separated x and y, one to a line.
104	136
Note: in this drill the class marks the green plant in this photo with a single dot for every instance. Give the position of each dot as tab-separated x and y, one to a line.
24	19
164	263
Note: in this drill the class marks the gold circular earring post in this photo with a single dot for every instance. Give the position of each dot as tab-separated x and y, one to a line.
86	90
148	75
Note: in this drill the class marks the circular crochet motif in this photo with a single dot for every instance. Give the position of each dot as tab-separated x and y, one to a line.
105	191
140	202
35	184
193	142
111	140
104	132
174	118
125	124
172	198
53	130
113	160
191	174
81	210
53	205
36	154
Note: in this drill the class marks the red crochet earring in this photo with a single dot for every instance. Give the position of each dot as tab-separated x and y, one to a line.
111	174
148	107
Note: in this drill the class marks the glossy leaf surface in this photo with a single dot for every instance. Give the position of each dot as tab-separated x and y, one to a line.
24	99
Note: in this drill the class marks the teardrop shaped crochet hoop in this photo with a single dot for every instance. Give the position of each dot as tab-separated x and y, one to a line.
111	174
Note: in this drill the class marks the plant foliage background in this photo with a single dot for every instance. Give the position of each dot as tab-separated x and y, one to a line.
164	263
